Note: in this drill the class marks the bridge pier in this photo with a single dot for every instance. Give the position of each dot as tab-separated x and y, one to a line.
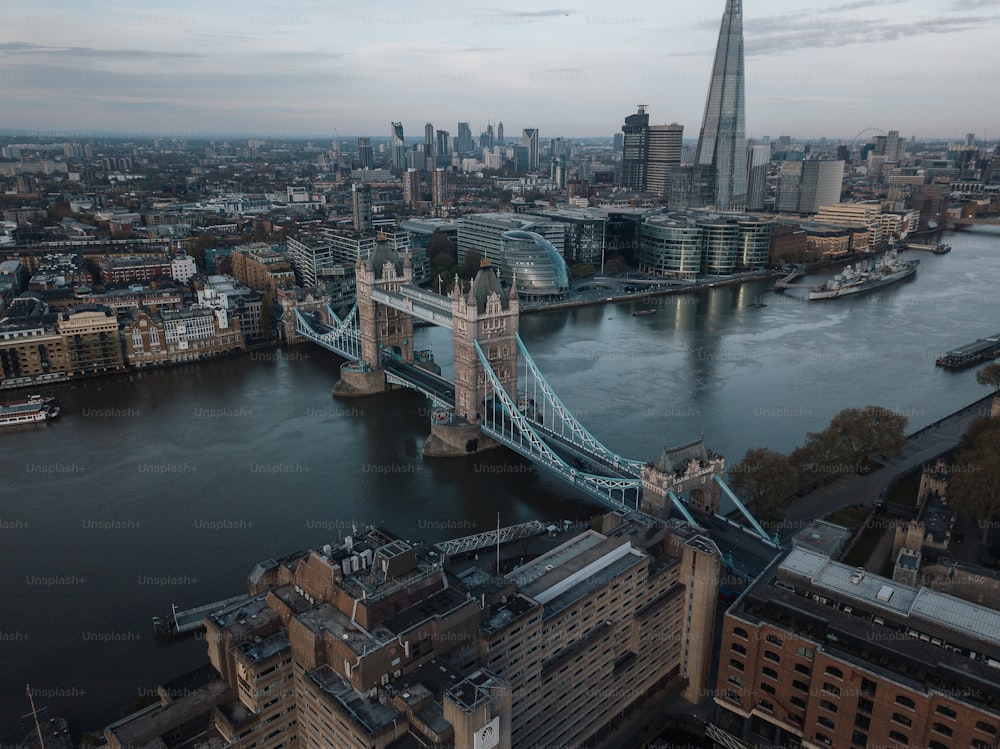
453	437
358	380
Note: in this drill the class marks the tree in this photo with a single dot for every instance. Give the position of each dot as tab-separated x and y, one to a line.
974	486
581	270
864	433
990	376
470	266
441	249
819	460
765	478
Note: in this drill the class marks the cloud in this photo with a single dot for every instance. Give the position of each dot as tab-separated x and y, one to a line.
29	48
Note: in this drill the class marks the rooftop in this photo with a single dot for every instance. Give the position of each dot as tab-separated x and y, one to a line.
367	711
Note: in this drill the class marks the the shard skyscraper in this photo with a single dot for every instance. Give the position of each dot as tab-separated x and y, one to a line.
720	164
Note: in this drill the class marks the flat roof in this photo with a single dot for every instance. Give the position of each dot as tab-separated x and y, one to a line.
845	583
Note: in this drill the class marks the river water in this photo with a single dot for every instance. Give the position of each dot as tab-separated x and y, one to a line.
169	486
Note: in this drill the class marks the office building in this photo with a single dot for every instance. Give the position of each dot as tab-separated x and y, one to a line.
585	230
720	163
366	157
500	134
378	642
804	186
759	162
463	141
684	245
397	146
864	220
820	653
635	134
529	140
663	154
526	248
442	149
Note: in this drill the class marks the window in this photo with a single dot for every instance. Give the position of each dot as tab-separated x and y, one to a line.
831	688
902	738
772	656
739	648
800	685
768	671
859	739
804	652
868	687
768	688
936	745
980	744
766	704
865	705
905	701
824	739
862	721
946	711
735	680
733	663
798	702
989	728
733	696
834	672
902	719
826	722
740	632
774	639
942	728
803	669
827	705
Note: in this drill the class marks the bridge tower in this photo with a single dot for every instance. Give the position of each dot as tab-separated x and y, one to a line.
689	469
489	315
383	329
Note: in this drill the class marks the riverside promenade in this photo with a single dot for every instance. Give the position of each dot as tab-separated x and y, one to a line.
851	489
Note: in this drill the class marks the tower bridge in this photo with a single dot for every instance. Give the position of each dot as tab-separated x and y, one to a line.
500	397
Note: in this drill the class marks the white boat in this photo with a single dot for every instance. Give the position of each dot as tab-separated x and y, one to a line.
31	410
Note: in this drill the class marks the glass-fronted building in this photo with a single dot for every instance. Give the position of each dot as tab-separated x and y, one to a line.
686	245
535	263
670	246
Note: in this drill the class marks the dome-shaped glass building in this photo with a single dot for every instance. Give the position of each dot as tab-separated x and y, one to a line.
536	264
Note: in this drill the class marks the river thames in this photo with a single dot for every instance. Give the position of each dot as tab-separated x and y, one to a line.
169	486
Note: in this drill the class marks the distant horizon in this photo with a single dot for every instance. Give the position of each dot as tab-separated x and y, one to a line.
47	134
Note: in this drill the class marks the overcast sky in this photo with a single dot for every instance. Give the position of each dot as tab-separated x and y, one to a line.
923	67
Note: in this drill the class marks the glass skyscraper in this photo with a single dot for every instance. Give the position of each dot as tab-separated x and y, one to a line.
721	159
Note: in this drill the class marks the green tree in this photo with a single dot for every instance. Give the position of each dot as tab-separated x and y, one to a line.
766	479
974	486
441	249
470	265
581	270
864	433
819	460
990	376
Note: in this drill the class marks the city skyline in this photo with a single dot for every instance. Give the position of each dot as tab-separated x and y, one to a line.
264	70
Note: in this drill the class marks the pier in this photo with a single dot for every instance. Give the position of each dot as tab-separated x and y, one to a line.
180	623
787	281
937	249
